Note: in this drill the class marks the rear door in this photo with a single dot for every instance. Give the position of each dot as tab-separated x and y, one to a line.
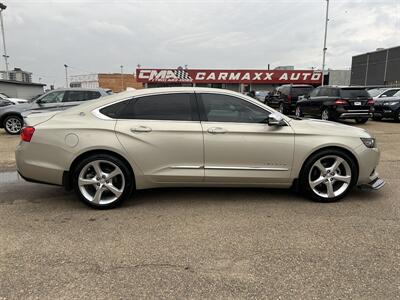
239	147
163	135
74	98
308	104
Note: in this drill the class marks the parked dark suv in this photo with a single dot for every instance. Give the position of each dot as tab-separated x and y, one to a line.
11	116
334	103
286	96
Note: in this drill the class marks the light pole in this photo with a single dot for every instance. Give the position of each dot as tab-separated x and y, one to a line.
326	33
122	77
3	7
66	75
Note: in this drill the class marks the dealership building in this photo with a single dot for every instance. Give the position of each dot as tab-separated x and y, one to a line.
239	80
235	80
380	67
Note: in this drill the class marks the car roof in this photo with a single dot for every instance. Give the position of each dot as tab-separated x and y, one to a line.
103	101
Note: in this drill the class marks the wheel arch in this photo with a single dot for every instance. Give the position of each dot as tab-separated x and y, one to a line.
337	148
7	114
67	176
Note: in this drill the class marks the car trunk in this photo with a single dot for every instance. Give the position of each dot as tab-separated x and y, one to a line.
299	91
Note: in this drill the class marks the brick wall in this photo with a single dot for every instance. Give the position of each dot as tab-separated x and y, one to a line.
117	82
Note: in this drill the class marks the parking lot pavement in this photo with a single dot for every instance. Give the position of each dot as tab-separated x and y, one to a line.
204	243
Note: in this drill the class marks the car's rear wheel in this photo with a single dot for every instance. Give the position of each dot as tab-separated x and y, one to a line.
13	124
102	181
361	120
299	112
328	176
325	114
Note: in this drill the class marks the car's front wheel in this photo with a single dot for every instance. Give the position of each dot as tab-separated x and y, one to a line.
102	181
13	124
328	176
281	108
397	116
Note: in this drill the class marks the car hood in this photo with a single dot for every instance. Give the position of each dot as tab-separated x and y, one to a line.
326	128
17	108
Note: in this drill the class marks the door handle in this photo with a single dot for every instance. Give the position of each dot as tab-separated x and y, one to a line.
216	130
141	129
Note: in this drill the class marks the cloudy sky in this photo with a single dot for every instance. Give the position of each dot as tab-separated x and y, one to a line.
99	36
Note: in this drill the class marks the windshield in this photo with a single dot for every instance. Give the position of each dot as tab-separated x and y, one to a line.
375	92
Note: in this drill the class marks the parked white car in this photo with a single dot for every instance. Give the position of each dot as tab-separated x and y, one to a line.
13	100
197	137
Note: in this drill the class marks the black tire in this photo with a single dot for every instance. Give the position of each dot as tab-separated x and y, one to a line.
376	118
397	116
129	184
13	129
326	114
304	184
361	120
299	111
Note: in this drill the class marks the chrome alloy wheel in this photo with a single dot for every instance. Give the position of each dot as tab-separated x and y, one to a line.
13	125
298	112
325	115
101	182
330	176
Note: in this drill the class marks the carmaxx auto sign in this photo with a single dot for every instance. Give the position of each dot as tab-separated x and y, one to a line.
227	76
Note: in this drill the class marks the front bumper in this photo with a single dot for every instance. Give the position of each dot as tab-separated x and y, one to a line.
375	184
384	112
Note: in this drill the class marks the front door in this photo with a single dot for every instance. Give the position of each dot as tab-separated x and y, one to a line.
163	136
49	101
239	146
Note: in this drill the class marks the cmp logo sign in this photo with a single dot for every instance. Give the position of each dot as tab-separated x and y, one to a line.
228	76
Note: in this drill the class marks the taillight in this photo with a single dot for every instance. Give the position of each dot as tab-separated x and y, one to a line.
289	97
27	133
341	102
371	101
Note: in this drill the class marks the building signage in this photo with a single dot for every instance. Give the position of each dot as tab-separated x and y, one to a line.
228	76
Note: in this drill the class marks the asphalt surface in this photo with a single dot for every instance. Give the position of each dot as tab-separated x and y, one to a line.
204	243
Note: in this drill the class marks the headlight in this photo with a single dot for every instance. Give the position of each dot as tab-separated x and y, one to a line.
369	142
391	103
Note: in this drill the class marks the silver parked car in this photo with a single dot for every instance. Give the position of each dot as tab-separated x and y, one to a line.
60	99
197	137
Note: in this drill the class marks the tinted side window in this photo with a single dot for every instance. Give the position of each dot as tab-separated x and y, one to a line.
224	108
72	96
178	107
389	93
114	110
314	92
299	91
92	95
52	97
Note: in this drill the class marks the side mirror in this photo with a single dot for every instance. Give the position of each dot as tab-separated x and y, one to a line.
275	120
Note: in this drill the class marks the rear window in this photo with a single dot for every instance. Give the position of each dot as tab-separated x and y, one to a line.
299	91
354	93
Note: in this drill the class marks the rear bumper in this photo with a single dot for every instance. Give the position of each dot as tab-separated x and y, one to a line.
355	114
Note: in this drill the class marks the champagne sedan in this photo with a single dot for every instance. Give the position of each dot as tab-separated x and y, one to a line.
191	137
